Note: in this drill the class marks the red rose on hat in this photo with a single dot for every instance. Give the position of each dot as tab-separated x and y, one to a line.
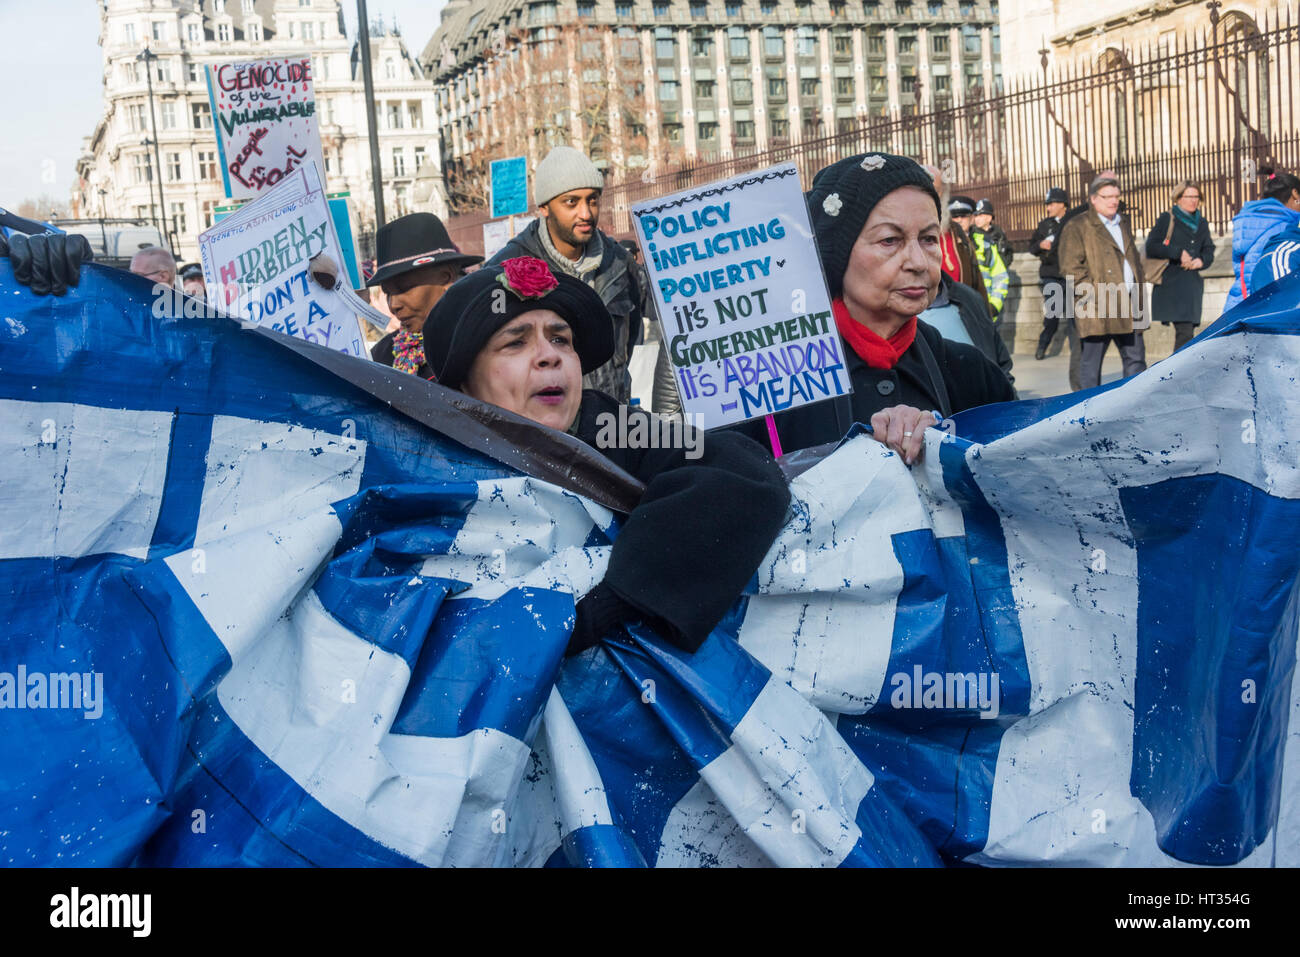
527	277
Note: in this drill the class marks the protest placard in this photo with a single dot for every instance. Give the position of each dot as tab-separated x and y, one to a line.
742	303
278	262
340	212
498	232
264	113
509	186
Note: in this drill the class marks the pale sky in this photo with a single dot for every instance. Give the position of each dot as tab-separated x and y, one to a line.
53	73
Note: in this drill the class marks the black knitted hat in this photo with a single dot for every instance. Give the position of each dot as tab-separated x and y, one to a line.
843	196
474	307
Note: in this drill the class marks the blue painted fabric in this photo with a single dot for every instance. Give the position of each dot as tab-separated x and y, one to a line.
255	617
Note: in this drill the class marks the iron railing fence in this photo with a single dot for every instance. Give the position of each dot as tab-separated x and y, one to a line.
1212	108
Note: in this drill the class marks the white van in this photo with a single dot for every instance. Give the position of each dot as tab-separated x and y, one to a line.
113	241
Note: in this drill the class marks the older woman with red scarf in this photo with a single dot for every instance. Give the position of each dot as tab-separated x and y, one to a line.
876	222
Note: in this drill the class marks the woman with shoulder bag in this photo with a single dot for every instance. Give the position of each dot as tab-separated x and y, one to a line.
1181	236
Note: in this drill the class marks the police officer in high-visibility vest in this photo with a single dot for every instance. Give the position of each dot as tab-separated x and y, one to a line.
992	262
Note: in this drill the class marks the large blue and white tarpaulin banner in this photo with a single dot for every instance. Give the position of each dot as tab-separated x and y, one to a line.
252	615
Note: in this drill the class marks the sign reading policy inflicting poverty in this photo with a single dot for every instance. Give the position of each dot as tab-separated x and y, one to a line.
744	310
264	112
277	262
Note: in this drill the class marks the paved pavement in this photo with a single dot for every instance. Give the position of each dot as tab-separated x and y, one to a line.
1038	380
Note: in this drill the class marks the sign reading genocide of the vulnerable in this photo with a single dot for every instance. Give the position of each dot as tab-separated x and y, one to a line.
278	262
743	307
264	112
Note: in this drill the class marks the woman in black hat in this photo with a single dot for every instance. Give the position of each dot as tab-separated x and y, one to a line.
417	261
521	337
876	222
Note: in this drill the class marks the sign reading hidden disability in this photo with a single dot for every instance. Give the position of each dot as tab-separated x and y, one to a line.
742	304
277	262
264	112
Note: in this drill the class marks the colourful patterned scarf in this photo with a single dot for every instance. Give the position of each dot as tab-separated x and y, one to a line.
408	351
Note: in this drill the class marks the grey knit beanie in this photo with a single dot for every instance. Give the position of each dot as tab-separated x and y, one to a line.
563	169
843	196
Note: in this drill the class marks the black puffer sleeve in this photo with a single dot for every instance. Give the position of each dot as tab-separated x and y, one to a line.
710	512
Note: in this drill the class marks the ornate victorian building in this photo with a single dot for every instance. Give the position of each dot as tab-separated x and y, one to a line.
174	39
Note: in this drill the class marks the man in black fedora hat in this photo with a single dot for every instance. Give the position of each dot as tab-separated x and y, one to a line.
415	263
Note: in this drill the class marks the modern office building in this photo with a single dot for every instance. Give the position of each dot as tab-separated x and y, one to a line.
650	84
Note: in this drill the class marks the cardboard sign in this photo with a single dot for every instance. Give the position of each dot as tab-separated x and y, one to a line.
342	216
264	113
497	232
743	306
509	186
265	263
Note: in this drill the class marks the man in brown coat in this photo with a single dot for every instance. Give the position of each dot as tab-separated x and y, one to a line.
1104	282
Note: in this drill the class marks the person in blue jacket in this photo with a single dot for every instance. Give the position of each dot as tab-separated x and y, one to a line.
1279	258
1259	221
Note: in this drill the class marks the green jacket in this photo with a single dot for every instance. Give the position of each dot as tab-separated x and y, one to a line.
997	280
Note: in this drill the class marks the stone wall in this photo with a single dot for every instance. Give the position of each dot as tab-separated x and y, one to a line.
1022	320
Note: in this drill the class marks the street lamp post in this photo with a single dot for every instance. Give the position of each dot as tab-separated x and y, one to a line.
146	143
148	56
103	233
376	172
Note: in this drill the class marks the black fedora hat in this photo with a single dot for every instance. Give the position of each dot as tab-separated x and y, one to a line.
474	307
412	241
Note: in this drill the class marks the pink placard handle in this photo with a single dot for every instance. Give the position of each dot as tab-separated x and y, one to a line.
773	437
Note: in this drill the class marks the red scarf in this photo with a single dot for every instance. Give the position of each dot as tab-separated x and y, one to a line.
951	261
876	352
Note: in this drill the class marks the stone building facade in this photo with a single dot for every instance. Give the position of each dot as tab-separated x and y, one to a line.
116	176
1082	34
685	81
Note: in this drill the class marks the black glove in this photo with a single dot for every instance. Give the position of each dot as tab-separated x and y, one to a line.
48	262
598	613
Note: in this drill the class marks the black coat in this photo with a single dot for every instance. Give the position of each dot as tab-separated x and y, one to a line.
998	237
968	377
983	333
383	352
1179	295
1048	267
702	527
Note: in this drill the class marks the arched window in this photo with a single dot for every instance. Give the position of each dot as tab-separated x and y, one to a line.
1244	61
390	69
1118	73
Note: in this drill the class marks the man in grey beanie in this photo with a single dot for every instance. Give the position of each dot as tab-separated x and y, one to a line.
566	190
